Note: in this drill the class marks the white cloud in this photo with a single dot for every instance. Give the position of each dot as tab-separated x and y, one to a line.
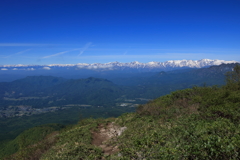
109	67
4	69
160	57
46	68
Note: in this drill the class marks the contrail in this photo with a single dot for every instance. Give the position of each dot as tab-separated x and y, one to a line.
18	53
57	54
85	48
22	51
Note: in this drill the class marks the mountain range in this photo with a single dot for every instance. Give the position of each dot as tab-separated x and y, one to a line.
110	71
47	91
165	66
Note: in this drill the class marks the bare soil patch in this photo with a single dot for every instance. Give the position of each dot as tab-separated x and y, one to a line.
102	138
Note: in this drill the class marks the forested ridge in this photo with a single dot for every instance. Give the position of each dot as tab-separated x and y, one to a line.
195	123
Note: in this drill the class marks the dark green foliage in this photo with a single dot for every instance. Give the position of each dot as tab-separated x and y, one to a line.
233	78
75	143
197	123
28	137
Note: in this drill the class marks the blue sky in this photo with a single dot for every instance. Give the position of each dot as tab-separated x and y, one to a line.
101	31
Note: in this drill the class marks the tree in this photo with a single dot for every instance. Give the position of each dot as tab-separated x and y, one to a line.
233	77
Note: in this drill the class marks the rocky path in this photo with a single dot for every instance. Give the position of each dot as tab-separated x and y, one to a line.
104	135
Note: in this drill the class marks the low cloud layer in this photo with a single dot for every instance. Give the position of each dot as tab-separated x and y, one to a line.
46	68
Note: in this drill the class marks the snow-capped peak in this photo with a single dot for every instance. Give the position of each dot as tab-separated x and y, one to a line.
171	64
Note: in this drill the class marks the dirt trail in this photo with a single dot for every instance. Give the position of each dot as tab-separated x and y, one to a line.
106	133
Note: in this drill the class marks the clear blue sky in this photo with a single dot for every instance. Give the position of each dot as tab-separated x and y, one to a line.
91	31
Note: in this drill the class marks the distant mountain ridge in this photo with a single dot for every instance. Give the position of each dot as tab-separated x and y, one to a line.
167	65
47	91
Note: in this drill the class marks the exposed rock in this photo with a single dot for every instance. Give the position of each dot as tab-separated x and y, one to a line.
105	134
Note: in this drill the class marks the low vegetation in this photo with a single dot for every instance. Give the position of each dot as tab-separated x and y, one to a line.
197	123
